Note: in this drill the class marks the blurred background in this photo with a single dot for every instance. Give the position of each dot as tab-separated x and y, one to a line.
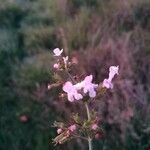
98	33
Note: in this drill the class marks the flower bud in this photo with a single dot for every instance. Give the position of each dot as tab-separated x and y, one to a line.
56	66
49	86
62	95
99	135
94	126
59	130
72	128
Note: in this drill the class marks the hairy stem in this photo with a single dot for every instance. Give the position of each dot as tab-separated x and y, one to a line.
89	118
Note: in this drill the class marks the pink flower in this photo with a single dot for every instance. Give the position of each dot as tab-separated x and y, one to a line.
59	130
107	84
72	128
72	92
113	70
88	86
94	126
56	66
57	51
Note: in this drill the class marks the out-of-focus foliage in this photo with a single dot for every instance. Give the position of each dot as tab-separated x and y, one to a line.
99	33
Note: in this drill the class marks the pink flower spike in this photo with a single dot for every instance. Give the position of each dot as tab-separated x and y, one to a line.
59	130
57	51
72	128
56	66
94	126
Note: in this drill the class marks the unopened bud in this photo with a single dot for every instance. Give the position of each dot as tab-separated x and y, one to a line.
74	60
56	66
59	130
99	135
94	126
72	128
62	95
49	86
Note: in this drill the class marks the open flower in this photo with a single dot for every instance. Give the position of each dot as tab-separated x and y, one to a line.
88	86
113	70
72	92
57	51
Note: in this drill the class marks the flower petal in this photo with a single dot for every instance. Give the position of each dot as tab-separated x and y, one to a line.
70	98
67	86
92	93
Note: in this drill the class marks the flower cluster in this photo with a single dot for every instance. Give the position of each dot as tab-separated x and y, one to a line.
59	65
78	127
73	91
64	133
79	90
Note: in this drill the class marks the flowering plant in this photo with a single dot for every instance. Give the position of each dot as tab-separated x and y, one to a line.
80	90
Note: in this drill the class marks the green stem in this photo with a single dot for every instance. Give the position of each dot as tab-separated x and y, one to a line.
70	76
89	118
88	111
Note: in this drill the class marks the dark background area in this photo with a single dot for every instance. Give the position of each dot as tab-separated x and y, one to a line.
100	33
